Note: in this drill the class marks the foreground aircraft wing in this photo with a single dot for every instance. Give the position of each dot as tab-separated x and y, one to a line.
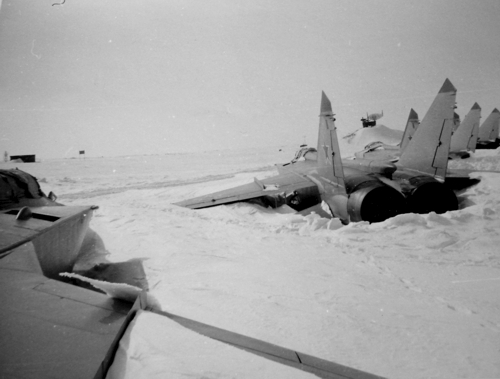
287	183
206	340
50	329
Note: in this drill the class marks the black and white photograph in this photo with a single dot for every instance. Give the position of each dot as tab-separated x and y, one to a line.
250	189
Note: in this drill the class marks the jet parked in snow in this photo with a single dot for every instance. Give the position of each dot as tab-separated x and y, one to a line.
350	194
360	189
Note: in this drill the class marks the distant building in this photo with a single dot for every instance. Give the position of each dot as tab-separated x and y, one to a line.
24	158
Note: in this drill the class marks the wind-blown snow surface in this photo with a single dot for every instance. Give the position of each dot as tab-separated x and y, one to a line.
354	142
416	296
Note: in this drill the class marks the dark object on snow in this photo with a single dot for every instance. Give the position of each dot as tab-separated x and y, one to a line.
18	189
24	158
367	123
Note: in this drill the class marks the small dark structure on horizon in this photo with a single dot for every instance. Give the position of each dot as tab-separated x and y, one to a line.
24	158
367	123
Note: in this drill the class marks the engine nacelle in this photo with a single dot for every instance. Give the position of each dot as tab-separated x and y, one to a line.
425	194
371	200
304	198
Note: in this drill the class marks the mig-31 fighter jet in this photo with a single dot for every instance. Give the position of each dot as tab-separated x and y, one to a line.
323	182
304	185
370	189
419	174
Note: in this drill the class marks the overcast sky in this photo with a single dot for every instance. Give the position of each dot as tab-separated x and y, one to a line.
133	77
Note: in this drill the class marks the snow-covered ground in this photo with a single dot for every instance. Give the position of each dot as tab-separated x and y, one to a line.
416	296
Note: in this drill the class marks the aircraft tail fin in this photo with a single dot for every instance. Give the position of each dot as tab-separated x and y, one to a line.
463	138
328	144
411	126
496	127
489	128
428	150
330	169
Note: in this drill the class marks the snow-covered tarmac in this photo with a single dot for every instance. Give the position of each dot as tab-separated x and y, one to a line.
416	296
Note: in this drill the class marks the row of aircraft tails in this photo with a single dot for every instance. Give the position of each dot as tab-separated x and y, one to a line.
381	181
467	137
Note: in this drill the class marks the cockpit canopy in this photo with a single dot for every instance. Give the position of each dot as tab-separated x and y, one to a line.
305	153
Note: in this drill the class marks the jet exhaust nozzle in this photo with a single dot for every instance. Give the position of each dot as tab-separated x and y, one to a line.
428	195
373	201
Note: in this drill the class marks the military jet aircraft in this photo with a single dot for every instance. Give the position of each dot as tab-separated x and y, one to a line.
304	184
323	182
421	169
488	131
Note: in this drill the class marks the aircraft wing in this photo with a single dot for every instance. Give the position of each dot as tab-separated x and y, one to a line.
287	183
51	329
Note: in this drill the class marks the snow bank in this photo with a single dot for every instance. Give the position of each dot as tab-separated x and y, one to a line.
356	141
415	296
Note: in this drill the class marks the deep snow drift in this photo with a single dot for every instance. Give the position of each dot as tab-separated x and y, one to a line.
415	296
354	142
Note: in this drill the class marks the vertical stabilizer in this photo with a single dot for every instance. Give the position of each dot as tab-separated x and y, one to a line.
463	138
330	172
428	150
496	125
488	131
411	126
328	144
